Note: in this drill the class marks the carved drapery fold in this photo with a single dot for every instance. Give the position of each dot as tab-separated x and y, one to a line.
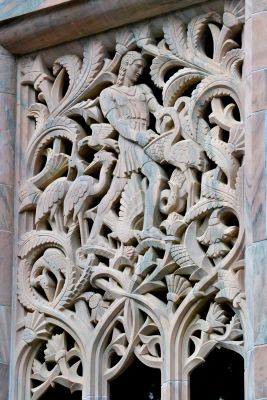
133	245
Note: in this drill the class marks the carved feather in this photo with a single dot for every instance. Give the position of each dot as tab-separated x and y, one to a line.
51	198
132	203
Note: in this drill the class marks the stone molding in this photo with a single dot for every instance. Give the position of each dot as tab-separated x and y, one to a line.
79	19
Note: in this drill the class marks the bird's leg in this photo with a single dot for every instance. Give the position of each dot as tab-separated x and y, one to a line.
84	231
193	187
59	220
105	206
157	181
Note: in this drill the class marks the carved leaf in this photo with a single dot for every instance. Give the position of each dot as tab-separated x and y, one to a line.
196	28
72	64
40	113
175	34
92	61
160	66
132	205
38	239
179	83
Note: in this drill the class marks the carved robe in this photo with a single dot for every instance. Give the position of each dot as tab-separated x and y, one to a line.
127	109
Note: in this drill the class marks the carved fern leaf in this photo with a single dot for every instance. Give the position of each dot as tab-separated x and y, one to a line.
196	29
160	65
175	34
179	83
202	208
72	64
218	151
124	41
92	62
40	113
33	240
232	62
213	189
132	203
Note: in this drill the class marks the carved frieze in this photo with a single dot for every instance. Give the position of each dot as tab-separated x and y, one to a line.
133	202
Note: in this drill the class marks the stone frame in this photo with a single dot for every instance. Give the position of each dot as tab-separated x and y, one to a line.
255	203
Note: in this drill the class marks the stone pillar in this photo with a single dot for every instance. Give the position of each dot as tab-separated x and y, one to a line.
7	135
255	72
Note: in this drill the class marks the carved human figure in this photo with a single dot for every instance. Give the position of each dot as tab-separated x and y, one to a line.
127	105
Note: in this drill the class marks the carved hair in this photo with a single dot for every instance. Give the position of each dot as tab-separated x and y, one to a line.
128	59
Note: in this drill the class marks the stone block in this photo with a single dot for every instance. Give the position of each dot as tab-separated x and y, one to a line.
7	133
6	208
8	74
256	281
5	334
259	34
6	242
255	182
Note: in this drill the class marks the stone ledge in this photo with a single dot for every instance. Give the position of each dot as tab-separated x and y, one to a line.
23	35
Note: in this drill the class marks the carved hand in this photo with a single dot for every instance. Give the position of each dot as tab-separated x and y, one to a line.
143	138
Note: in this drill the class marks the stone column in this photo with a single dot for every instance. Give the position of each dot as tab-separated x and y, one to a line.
7	135
255	72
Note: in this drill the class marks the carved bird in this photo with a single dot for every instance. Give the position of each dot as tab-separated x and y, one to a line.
174	199
51	263
50	202
85	188
189	156
128	225
103	137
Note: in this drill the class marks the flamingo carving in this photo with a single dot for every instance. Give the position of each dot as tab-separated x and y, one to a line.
84	189
49	206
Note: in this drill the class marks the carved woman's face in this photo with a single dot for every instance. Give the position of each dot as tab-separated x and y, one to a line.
134	70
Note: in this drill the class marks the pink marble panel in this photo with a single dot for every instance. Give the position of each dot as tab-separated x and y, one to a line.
255	6
249	279
5	334
7	133
5	267
248	48
4	381
8	74
6	208
255	185
260	371
259	90
249	96
256	282
249	376
259	45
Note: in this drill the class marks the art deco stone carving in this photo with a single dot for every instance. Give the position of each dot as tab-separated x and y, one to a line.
132	206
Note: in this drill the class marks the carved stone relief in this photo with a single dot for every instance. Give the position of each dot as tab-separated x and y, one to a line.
132	206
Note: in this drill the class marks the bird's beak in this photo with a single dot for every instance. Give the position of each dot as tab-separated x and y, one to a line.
92	167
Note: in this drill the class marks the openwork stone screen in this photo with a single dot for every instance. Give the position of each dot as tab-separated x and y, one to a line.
130	202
